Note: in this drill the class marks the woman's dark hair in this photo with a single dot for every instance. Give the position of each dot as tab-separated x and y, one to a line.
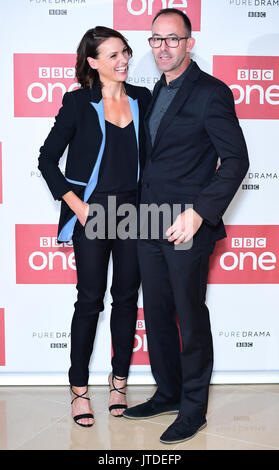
183	15
88	47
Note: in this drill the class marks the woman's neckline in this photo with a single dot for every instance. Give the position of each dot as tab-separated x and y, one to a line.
119	127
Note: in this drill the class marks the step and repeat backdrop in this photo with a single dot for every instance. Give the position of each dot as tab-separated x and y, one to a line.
236	41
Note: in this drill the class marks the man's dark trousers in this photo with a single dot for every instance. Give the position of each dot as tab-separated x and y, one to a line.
174	290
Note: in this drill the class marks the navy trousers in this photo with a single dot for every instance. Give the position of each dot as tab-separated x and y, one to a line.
92	259
174	292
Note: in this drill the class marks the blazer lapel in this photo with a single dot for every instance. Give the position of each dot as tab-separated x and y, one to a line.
153	99
134	107
147	114
133	102
178	101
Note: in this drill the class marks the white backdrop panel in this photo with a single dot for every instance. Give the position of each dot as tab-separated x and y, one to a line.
35	316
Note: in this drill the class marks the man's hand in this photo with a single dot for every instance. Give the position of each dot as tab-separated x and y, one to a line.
184	227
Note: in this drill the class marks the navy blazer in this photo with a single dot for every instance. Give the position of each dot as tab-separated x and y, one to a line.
80	124
199	126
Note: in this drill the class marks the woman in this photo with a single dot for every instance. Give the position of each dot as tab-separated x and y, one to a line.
102	122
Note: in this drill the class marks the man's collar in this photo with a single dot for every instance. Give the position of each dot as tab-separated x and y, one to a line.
177	81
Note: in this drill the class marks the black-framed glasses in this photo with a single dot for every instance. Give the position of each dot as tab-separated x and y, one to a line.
171	41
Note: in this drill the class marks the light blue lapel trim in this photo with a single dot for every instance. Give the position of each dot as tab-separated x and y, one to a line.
99	107
135	114
76	182
68	229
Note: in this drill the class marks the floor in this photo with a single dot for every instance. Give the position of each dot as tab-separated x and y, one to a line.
240	417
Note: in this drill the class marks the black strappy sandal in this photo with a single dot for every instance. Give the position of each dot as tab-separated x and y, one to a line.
85	415
115	389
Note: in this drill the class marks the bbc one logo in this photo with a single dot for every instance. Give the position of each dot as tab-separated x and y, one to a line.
40	81
137	15
140	354
40	259
254	82
249	255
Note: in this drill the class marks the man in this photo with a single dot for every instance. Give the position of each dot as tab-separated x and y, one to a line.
190	124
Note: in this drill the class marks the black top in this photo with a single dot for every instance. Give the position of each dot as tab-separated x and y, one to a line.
119	166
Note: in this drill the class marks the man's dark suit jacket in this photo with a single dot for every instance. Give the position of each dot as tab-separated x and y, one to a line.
199	126
80	124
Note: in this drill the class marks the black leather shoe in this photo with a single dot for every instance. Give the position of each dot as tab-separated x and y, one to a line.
181	430
150	409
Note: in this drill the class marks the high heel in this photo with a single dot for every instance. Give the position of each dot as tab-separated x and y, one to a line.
84	415
116	389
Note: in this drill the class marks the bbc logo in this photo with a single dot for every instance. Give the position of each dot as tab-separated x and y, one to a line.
248	242
250	186
254	74
57	72
57	12
51	242
257	14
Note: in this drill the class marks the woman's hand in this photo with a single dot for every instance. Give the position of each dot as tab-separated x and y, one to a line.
82	213
80	208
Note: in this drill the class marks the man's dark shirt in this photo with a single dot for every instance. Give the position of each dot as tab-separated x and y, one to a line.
164	98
